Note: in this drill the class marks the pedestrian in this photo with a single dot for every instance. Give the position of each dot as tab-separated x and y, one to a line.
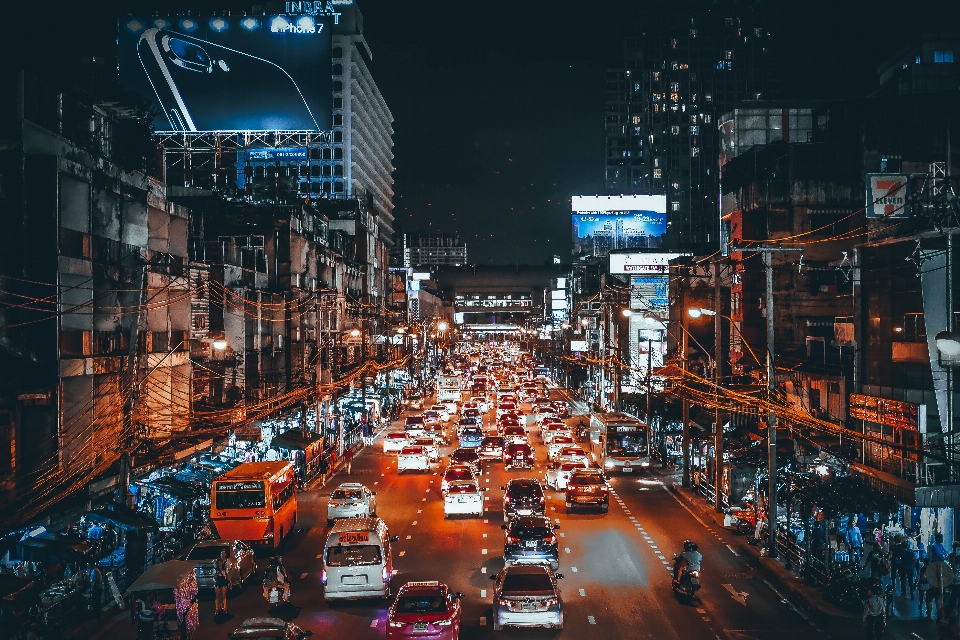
874	614
96	590
907	568
923	588
855	541
878	564
221	581
937	552
348	459
954	556
324	464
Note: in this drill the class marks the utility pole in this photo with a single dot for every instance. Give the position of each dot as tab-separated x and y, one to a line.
717	354
685	403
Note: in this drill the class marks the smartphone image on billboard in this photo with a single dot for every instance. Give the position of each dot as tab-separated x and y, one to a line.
202	86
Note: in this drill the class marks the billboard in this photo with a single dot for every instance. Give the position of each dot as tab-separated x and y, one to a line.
602	224
642	262
887	195
230	73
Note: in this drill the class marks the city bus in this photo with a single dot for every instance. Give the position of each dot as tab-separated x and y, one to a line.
619	441
256	502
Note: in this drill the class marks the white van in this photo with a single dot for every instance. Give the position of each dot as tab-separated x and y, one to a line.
358	560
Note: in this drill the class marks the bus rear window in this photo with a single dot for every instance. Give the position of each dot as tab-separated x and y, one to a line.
245	499
356	555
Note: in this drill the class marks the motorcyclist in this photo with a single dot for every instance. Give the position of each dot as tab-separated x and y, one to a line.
276	576
688	560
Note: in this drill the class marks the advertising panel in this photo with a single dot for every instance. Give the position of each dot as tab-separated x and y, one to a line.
890	413
642	262
602	224
578	346
653	293
230	73
887	195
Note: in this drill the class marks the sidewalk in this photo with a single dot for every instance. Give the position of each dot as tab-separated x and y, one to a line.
906	624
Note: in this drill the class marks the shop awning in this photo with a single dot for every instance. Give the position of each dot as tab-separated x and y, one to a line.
44	549
123	517
175	488
163	576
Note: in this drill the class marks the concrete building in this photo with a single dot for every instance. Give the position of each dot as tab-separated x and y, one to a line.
433	250
686	68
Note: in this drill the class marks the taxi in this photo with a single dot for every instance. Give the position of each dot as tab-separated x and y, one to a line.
573	454
394	442
351	500
412	458
454	473
463	497
425	610
558	444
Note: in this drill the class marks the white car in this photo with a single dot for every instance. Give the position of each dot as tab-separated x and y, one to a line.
545	415
456	473
463	497
558	444
482	403
351	500
429	445
558	474
573	454
505	407
443	411
395	442
412	458
552	431
513	435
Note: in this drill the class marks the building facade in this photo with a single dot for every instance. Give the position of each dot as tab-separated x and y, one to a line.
433	249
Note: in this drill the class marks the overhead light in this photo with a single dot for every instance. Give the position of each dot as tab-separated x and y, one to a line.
696	312
627	313
219	344
948	343
355	333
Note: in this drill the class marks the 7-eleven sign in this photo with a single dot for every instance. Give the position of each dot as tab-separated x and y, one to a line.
887	195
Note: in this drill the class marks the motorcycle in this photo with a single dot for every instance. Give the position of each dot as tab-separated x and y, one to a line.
687	583
743	519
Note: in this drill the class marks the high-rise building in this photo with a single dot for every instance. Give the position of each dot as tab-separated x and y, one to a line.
683	67
433	249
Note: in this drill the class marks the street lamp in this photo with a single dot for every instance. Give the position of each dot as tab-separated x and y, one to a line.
442	326
627	313
219	344
696	312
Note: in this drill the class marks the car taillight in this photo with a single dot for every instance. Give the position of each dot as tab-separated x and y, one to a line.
386	575
444	623
541	499
550	602
269	532
513	540
604	490
551	540
396	625
323	577
503	602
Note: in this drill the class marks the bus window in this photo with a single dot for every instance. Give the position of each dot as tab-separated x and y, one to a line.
280	498
240	495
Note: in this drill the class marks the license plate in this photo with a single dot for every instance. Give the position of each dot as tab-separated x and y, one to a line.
532	544
354	580
420	626
528	606
628	469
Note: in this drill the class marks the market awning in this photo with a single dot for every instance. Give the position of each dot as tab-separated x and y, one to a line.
44	549
176	488
123	517
293	440
163	576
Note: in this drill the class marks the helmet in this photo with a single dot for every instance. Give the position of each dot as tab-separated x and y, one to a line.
689	545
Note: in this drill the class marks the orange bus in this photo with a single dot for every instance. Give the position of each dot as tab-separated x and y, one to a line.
255	502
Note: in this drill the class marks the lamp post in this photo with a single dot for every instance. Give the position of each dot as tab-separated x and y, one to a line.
696	312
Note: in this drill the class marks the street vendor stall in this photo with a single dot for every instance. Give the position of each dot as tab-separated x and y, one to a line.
168	592
135	529
56	563
304	452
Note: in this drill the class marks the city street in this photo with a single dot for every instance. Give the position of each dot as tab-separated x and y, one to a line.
616	566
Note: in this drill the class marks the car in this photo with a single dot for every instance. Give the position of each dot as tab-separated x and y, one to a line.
471	437
424	610
557	474
414	426
492	447
351	500
551	431
522	497
573	454
432	419
268	629
455	473
508	421
587	488
561	408
527	596
482	403
518	455
540	406
469	457
545	416
473	413
412	458
442	410
514	435
395	441
429	445
504	407
463	497
414	401
559	443
530	540
205	553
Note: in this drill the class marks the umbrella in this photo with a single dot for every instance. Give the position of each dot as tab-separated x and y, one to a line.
123	517
163	576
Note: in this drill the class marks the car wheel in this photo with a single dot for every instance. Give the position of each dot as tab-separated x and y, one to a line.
497	626
604	508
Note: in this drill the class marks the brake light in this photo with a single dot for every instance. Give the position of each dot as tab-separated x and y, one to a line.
550	602
444	623
503	602
542	499
396	625
269	532
551	540
513	540
323	577
386	575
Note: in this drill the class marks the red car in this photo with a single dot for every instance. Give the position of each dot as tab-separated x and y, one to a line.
425	610
518	456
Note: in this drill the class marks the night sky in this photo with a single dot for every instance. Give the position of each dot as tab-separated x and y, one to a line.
498	107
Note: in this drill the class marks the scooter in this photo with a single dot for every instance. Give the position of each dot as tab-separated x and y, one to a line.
687	583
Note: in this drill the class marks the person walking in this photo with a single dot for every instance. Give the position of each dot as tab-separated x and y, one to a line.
937	552
348	459
874	614
855	541
878	564
221	582
906	565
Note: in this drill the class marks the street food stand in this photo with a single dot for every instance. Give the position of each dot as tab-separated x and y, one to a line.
173	584
64	596
135	528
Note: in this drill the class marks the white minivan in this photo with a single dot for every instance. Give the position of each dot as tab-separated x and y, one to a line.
357	560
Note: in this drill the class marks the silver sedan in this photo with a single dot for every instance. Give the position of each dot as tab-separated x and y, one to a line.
351	500
527	596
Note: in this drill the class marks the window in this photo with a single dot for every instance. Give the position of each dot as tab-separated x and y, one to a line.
709	98
674	86
693	119
707	118
694	152
693	33
673	43
338	69
728	21
728	55
917	61
656	108
338	86
943	56
337	120
338	170
656	162
338	136
675	185
656	76
757	31
338	154
326	171
326	154
658	173
684	66
674	65
338	187
674	206
338	103
675	130
336	52
637	119
694	130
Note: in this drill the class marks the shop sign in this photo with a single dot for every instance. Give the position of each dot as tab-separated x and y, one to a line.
248	434
249	485
890	413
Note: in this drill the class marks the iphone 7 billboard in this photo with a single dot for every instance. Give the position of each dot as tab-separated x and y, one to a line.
230	73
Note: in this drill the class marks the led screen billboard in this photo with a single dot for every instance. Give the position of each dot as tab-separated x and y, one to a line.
602	224
641	262
230	73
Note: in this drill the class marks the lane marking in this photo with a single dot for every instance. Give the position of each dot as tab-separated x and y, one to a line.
484	535
583	593
574	569
377	482
483	621
563	535
483	552
485	521
319	555
419	510
787	602
731	548
483	569
403	553
427	491
408	537
303	575
566	549
483	593
374	623
424	500
591	620
414	523
701	611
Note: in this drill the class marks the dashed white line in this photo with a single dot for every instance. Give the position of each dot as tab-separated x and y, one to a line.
424	500
408	537
483	593
563	535
403	553
484	535
374	623
419	510
591	620
483	552
583	593
483	621
483	569
731	550
574	569
566	549
485	521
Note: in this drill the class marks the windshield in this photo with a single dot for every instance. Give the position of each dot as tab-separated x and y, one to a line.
414	420
585	478
458	474
247	499
628	444
207	552
339	494
464	456
421	604
465	487
531	531
353	555
525	582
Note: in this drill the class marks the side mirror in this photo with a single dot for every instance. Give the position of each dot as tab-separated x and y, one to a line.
558	576
504	527
394	538
556	526
493	577
460	595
